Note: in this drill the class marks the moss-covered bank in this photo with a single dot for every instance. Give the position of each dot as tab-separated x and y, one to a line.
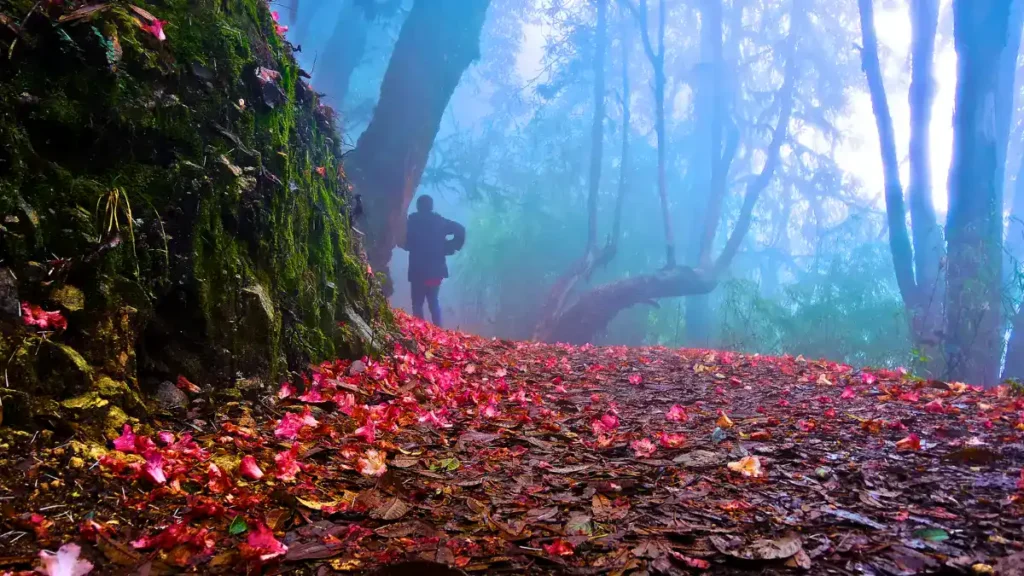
180	201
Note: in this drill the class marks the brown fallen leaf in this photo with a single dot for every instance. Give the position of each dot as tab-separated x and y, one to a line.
404	461
606	510
764	549
409	528
799	560
117	552
390	509
83	12
476	506
149	17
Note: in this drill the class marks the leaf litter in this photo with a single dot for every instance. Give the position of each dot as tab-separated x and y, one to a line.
518	457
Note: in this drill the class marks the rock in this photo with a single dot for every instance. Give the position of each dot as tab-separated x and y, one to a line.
65	368
231	168
9	303
357	368
170	397
363	331
699	459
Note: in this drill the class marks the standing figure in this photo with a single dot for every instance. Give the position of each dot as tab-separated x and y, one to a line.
428	243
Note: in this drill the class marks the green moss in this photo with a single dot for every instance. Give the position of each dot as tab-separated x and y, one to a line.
243	266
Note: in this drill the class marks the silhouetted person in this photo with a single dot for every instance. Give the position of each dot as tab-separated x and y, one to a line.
426	239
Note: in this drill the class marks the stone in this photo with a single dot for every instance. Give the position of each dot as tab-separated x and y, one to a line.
9	303
357	368
170	397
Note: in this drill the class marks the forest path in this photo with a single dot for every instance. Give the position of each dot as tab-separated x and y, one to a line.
514	457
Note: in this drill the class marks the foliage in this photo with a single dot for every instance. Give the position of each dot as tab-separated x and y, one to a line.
846	308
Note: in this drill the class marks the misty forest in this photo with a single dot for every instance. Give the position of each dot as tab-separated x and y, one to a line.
511	287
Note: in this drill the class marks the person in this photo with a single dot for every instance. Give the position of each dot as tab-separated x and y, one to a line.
428	243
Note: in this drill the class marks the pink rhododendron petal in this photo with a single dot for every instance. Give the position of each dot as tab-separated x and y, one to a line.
153	470
164	438
643	448
676	414
373	464
286	391
670	440
126	442
249	469
368	432
64	562
33	315
287	466
262	540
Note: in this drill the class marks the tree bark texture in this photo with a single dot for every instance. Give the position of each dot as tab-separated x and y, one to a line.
438	41
975	222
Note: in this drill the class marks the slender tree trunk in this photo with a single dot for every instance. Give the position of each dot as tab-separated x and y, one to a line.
1013	269
779	135
659	119
703	201
899	238
438	41
1006	93
1015	348
1006	106
583	267
624	164
928	245
597	127
716	186
342	54
973	300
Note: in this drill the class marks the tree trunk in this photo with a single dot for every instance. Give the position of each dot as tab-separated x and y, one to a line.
704	198
624	156
899	238
1006	93
973	300
779	135
1015	349
585	265
658	61
594	309
1012	279
344	52
716	168
438	41
928	246
597	126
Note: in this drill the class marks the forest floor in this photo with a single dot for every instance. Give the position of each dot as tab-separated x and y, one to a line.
505	457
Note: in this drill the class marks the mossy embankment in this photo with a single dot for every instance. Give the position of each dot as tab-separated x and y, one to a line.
180	201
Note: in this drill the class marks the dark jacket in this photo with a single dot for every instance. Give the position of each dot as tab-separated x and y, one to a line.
426	239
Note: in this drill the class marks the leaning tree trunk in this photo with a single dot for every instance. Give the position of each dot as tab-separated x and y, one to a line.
974	229
438	41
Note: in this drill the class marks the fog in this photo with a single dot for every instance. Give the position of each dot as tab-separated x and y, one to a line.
797	258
